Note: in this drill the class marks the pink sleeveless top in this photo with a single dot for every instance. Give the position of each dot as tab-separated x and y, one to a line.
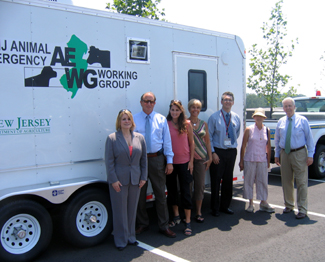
181	148
256	145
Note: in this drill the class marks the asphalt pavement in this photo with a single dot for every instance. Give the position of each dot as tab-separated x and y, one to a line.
257	236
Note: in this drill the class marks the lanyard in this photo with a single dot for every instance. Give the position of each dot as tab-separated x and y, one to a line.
227	125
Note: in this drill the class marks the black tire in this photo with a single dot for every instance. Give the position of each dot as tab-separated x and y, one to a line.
26	230
80	230
317	169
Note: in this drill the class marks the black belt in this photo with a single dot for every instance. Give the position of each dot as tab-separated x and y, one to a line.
296	149
160	152
224	148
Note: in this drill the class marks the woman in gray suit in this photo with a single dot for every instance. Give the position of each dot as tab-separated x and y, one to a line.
126	167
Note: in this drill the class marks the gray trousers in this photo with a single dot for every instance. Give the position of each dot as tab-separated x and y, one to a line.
157	176
124	207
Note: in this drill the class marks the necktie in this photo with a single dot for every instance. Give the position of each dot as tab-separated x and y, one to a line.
287	148
148	134
230	129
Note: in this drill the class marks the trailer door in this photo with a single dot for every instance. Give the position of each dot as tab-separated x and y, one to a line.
196	76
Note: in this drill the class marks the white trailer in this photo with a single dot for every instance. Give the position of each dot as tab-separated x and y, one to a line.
65	73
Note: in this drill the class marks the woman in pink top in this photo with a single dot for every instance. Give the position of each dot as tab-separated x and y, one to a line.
255	161
183	147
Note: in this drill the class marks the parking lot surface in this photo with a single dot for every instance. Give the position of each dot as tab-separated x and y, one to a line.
257	236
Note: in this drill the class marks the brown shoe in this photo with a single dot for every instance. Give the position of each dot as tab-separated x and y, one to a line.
140	230
167	233
300	215
287	210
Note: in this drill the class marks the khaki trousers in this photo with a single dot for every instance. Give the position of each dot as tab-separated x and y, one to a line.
294	166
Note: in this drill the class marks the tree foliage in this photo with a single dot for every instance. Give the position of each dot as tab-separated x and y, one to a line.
266	79
254	101
140	8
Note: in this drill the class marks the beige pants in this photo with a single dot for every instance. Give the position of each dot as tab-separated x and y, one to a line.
255	172
294	166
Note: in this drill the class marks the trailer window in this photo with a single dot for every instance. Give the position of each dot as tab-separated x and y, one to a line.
138	51
197	86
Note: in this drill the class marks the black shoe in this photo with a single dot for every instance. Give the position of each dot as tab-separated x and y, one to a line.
120	248
135	243
227	211
215	213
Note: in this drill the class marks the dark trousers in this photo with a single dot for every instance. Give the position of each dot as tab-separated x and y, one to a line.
185	178
157	176
223	171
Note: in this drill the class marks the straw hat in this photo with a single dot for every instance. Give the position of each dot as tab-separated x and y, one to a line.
259	112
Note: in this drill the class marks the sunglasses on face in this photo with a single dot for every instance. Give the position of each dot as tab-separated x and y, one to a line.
176	101
124	110
148	102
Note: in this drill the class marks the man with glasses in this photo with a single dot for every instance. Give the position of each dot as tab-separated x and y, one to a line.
224	129
154	128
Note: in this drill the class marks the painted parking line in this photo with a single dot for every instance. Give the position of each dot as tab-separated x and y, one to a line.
178	259
161	253
279	207
275	206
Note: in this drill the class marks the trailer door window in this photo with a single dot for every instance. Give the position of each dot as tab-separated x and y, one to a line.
197	86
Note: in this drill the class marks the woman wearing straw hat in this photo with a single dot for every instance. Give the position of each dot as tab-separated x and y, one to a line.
255	158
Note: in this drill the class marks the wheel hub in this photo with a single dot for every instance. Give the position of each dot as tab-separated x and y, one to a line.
90	218
19	232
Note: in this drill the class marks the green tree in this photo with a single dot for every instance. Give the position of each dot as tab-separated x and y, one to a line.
266	79
140	8
254	101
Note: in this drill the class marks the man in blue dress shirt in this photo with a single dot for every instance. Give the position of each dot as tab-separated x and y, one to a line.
292	135
224	129
154	128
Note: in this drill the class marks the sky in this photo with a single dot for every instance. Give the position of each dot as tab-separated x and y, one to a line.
244	18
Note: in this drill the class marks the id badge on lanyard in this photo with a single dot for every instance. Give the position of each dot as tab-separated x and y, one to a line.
227	141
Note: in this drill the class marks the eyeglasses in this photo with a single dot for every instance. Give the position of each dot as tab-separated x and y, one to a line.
227	100
123	110
148	101
176	101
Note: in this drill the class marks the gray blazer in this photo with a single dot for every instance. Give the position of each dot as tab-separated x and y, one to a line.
119	165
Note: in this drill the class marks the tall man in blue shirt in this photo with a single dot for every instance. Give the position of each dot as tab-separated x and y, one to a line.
154	128
224	129
292	135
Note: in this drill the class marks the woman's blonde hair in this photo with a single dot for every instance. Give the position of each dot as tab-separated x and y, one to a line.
193	102
119	117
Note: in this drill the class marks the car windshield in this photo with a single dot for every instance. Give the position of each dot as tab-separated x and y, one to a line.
310	105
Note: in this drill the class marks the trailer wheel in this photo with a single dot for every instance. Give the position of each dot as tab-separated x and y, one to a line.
26	230
87	218
317	169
